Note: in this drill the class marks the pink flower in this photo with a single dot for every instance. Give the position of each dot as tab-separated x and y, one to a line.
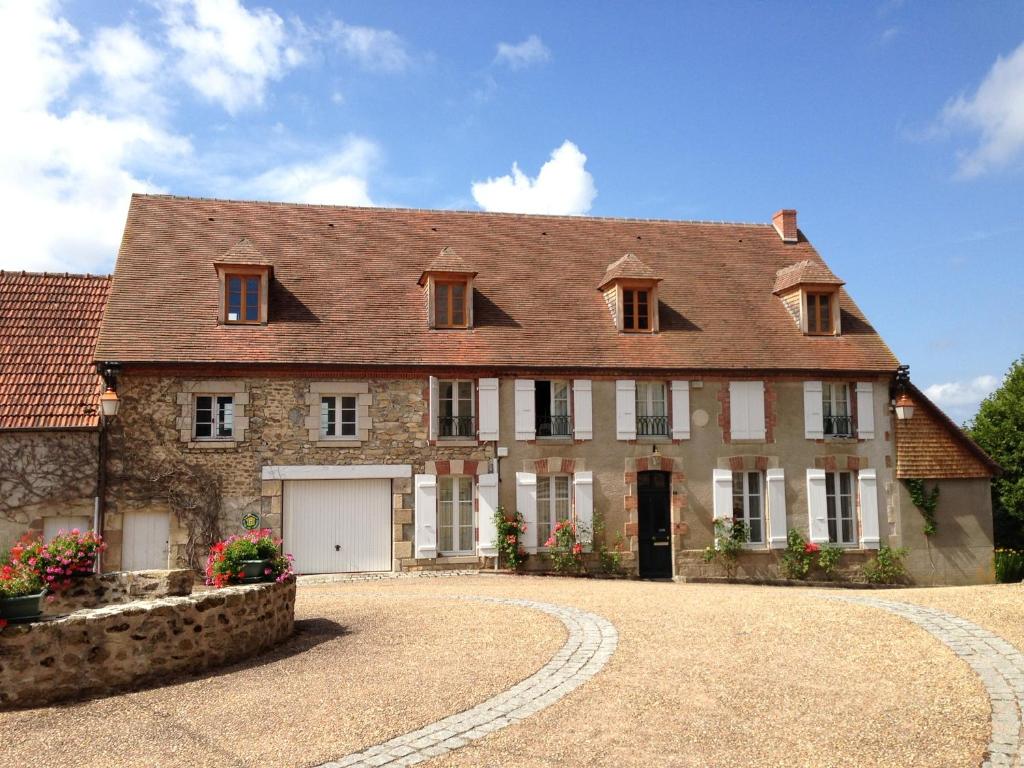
511	538
577	549
811	548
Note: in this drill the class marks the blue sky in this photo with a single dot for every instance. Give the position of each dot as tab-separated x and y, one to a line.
895	128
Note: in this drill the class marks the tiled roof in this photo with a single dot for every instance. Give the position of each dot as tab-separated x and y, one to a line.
627	267
48	329
930	446
345	291
447	261
805	272
243	252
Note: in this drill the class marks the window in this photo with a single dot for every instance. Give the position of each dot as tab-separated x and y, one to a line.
455	515
835	406
748	504
455	406
551	408
553	504
651	416
214	417
242	302
636	309
839	502
337	416
450	309
819	313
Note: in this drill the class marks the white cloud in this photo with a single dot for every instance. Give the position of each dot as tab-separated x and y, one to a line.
517	56
64	174
563	186
337	179
375	49
960	399
228	53
996	112
127	66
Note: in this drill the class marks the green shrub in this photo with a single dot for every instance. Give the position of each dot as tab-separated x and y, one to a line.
887	567
510	551
609	559
828	559
1009	566
797	558
730	536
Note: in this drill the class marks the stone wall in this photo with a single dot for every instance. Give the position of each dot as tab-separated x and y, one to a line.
119	587
122	646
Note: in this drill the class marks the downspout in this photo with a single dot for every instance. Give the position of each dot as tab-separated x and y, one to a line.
101	487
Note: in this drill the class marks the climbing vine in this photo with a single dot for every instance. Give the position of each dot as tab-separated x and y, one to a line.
926	501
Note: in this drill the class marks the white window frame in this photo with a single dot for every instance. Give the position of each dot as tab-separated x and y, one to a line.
340	422
834	508
462	513
218	417
745	503
455	400
830	402
547	504
551	407
645	402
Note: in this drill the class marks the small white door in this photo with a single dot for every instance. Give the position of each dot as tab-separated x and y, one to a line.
145	540
67	523
338	526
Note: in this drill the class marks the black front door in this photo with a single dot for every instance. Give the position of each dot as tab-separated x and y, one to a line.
654	492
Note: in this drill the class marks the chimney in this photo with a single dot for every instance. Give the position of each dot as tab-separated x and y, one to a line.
784	222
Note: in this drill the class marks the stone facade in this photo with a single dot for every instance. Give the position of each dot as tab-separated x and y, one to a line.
96	590
122	646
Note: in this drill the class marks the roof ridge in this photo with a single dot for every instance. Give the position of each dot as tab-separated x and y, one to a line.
566	217
28	273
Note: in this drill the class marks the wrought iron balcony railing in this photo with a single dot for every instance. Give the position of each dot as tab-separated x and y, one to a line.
456	426
839	426
554	426
651	426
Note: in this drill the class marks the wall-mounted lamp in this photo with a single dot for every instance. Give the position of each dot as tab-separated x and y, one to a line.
109	401
903	405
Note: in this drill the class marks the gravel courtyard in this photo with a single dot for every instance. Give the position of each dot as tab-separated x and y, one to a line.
702	675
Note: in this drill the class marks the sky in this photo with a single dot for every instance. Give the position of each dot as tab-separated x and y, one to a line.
896	129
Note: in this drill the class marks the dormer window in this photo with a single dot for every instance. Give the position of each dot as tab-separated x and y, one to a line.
448	282
819	313
636	310
243	276
243	298
630	289
810	293
450	309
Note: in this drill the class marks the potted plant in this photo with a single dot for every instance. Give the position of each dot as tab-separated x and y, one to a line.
21	593
65	557
252	557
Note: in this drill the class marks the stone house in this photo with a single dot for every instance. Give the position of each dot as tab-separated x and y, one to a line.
49	403
374	383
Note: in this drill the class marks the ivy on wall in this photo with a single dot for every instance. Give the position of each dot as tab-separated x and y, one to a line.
926	502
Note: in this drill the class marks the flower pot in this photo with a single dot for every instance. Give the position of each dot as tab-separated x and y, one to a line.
253	571
23	608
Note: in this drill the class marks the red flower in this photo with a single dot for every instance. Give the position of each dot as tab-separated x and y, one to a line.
577	549
811	548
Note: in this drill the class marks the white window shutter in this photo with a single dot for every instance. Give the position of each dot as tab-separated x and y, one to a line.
526	422
755	409
582	409
432	411
526	505
487	496
739	421
721	488
426	515
680	410
488	389
625	409
869	524
777	530
583	500
817	507
865	410
814	415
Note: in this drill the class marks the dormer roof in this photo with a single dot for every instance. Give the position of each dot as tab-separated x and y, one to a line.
805	272
244	253
627	267
448	262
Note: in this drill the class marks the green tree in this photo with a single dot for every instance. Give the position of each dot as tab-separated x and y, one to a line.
999	429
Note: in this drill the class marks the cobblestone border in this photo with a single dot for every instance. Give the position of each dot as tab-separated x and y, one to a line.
999	664
592	641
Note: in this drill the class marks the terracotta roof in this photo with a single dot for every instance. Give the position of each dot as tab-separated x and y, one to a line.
447	261
48	329
805	272
627	267
243	252
345	291
930	446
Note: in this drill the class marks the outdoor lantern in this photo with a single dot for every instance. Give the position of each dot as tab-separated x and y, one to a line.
109	402
904	407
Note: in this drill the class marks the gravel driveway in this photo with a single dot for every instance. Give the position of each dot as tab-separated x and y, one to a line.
702	675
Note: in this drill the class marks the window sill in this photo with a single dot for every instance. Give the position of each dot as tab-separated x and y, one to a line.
204	444
559	440
844	439
456	558
456	442
654	440
329	443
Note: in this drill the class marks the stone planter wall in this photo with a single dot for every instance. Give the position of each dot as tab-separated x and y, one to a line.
121	587
121	646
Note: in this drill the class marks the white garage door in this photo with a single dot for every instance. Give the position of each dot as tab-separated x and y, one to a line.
67	523
338	526
145	541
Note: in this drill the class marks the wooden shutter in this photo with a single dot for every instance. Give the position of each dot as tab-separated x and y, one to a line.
869	523
426	515
487	497
865	410
625	409
583	501
582	410
739	419
721	487
526	422
432	411
755	409
488	389
777	530
680	410
526	504
817	507
814	415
